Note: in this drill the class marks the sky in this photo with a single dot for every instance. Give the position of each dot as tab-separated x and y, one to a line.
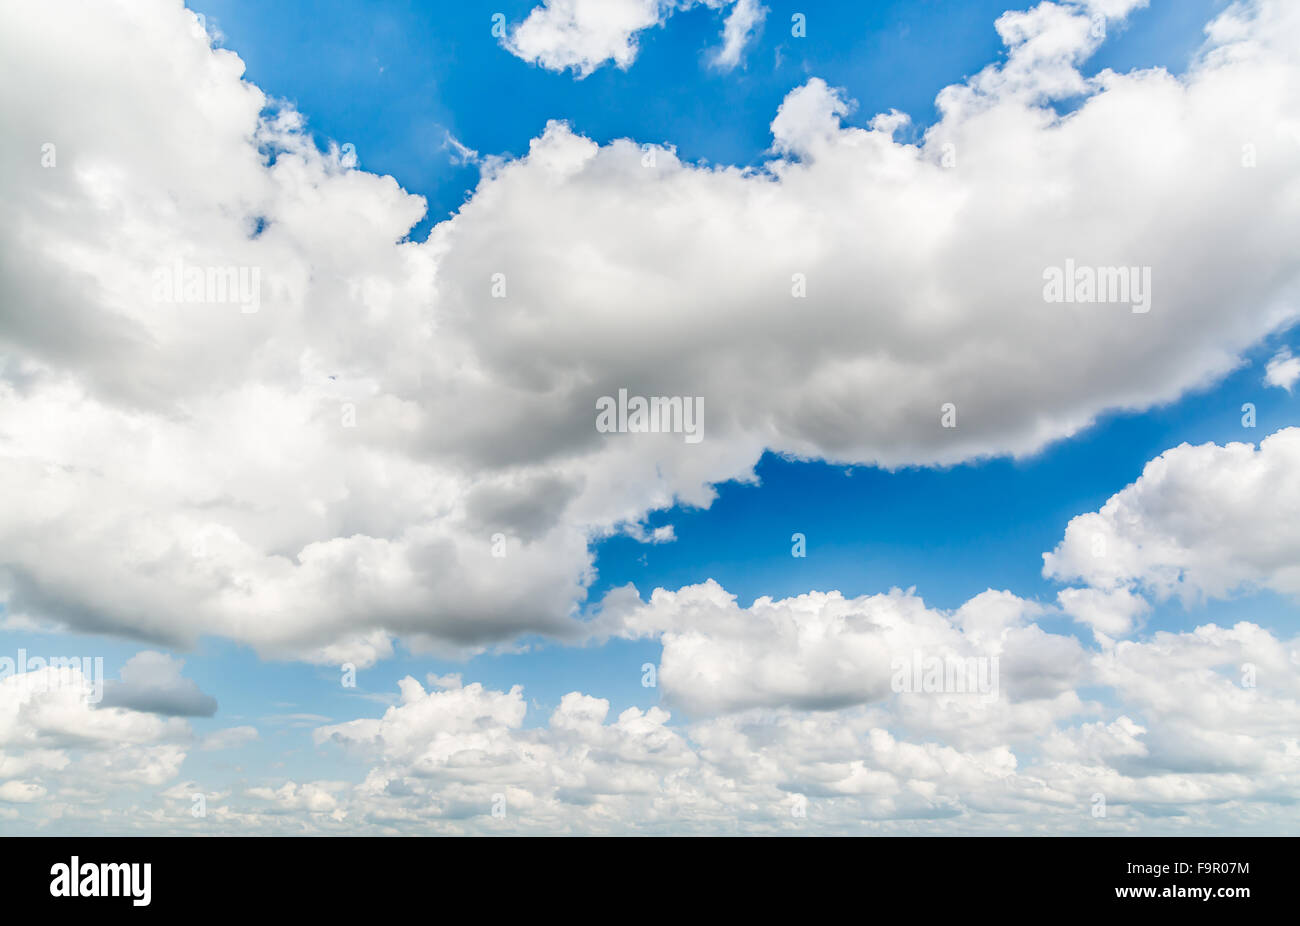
358	557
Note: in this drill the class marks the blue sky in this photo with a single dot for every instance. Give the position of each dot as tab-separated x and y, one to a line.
402	81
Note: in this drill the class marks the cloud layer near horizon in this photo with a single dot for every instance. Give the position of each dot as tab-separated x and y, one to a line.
1174	736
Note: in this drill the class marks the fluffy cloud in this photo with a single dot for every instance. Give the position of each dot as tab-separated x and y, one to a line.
1109	612
1197	730
1201	521
1283	370
152	682
798	726
821	651
457	752
1186	741
582	35
795	722
339	467
57	748
312	797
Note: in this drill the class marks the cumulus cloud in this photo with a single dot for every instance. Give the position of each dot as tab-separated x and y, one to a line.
1109	612
582	35
794	705
399	441
152	682
311	797
58	750
794	724
791	720
1283	370
820	650
1200	522
20	792
1183	742
1196	729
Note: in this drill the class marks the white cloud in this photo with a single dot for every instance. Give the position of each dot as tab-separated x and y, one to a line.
460	153
1109	612
738	30
1283	370
795	724
183	469
583	35
20	792
311	797
152	682
1184	746
1201	521
819	650
56	746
